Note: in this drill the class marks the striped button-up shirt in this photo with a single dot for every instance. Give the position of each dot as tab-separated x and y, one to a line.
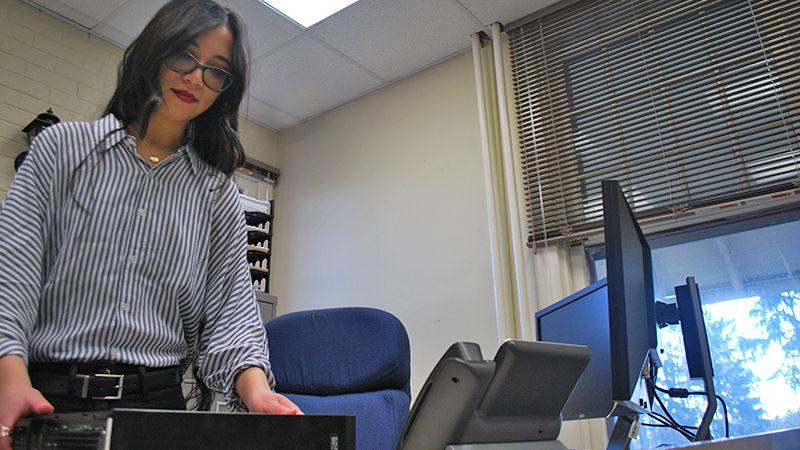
104	258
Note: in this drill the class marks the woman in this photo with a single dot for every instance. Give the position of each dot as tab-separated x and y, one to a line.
122	242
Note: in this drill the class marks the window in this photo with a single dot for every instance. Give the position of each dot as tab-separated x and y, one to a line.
748	271
687	104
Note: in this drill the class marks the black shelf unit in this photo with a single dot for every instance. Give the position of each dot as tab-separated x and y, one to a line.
259	241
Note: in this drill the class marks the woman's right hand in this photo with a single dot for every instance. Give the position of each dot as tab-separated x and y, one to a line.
17	398
17	402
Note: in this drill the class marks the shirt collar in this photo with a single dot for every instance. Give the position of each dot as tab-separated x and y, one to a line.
110	128
195	160
107	130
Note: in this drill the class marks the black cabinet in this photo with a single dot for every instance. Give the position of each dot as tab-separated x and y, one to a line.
258	216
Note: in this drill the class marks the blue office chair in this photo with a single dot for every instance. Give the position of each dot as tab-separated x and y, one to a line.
349	361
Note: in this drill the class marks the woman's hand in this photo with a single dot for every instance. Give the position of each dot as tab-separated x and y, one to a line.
17	397
253	388
272	403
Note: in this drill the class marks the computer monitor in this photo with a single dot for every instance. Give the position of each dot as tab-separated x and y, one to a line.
693	329
582	318
615	317
698	353
631	305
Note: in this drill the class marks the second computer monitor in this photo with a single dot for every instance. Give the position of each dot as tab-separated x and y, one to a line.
582	318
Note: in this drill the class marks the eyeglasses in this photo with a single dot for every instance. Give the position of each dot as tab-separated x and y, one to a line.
215	78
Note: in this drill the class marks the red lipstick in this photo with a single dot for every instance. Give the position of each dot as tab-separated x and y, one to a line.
185	96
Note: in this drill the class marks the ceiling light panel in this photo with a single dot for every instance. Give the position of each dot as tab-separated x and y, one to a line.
308	12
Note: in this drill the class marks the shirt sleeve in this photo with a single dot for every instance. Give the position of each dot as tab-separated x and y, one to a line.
233	336
22	244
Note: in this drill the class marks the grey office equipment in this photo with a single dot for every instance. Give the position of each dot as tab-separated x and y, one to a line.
511	402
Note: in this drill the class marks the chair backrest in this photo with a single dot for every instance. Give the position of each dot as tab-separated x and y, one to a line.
339	350
351	361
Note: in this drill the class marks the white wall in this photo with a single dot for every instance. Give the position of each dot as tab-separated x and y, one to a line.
46	62
380	203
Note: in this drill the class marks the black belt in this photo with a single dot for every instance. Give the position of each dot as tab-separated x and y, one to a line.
105	386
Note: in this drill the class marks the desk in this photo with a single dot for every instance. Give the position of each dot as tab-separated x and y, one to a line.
774	440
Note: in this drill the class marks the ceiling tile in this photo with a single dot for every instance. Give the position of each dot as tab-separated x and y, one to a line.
266	115
113	35
394	38
266	28
88	13
134	15
306	78
503	11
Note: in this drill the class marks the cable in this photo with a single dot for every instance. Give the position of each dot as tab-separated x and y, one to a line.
657	425
664	408
656	387
660	419
675	426
725	410
683	429
662	425
684	393
665	421
679	431
671	420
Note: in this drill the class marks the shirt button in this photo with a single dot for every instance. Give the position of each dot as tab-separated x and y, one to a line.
132	259
124	306
114	353
140	212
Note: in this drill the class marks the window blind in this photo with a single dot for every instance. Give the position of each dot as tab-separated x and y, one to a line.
686	103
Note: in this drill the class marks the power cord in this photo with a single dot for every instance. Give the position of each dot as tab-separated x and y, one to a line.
662	425
725	411
664	422
684	393
670	421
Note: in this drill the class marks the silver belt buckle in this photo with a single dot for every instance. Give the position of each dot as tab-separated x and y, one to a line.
85	385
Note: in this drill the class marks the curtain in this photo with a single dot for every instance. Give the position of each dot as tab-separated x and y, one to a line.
558	271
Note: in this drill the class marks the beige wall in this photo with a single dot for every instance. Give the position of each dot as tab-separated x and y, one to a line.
46	62
381	204
259	142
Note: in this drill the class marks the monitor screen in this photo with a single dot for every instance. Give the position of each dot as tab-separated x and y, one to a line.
582	318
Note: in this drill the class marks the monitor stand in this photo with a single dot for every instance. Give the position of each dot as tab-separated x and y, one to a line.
624	431
626	424
626	413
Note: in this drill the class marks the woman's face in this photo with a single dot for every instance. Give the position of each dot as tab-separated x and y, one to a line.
185	95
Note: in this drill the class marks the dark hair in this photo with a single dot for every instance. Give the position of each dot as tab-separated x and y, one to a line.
138	94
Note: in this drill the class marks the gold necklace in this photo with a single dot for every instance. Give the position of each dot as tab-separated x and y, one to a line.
153	158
